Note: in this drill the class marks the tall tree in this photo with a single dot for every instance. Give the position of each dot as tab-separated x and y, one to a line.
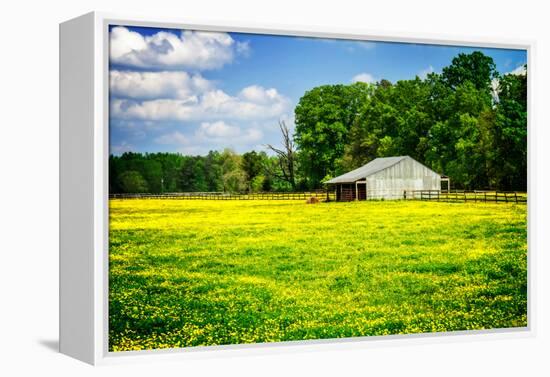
233	177
252	166
213	171
192	177
324	116
511	131
477	68
152	172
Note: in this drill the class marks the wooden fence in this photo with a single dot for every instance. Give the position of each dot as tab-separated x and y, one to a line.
320	194
475	196
429	195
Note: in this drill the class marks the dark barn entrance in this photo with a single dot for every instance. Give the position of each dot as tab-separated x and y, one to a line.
346	192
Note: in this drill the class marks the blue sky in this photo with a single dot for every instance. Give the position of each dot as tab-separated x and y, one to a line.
191	92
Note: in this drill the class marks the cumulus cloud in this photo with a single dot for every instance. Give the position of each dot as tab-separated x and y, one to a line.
159	94
124	41
257	94
221	132
174	138
364	77
218	129
195	50
149	85
251	103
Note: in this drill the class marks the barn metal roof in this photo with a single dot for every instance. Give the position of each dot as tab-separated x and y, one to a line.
364	171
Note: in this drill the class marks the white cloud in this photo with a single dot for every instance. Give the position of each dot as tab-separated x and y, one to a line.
189	50
521	70
218	129
149	85
160	109
243	48
425	72
124	41
121	147
174	138
364	77
257	94
221	132
252	135
250	104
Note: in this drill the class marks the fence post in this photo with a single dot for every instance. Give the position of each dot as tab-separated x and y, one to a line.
516	196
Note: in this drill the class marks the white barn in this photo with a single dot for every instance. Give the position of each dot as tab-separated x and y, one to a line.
385	178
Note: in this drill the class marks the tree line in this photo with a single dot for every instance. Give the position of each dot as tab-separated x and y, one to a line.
224	171
468	122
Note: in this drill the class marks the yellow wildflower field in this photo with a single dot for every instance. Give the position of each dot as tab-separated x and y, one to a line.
198	272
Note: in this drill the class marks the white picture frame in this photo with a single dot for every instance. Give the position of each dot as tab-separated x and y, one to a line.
84	153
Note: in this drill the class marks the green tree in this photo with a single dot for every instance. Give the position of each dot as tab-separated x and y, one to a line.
252	165
477	68
171	165
131	181
213	171
324	116
258	183
394	120
233	177
458	144
192	177
152	172
511	131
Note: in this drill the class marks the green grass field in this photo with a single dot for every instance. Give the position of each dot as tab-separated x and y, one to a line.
191	272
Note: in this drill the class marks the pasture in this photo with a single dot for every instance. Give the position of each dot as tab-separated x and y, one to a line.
196	273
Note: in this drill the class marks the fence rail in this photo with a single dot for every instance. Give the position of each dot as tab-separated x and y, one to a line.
428	195
481	196
321	195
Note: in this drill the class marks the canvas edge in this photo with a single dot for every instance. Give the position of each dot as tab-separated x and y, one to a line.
76	190
100	342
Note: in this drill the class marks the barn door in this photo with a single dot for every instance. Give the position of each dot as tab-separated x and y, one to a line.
361	190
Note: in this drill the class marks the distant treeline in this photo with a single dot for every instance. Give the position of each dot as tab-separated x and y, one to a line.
217	171
468	122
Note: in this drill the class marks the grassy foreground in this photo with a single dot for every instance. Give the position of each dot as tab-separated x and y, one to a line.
190	272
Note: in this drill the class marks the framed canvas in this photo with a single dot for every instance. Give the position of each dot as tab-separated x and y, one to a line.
245	189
